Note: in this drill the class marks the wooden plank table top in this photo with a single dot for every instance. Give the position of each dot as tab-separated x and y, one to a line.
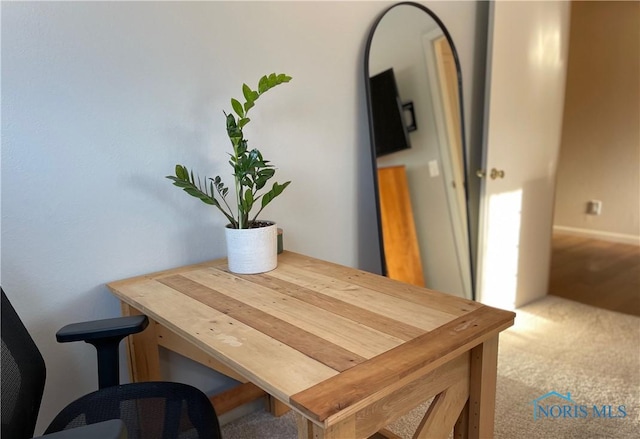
331	342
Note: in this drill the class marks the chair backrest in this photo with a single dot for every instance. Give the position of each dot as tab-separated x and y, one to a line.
23	376
159	410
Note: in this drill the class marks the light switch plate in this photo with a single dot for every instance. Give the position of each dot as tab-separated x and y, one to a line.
434	171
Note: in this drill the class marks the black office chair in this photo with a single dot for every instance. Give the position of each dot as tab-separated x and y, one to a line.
148	410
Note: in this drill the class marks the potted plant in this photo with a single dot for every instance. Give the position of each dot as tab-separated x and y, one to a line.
251	243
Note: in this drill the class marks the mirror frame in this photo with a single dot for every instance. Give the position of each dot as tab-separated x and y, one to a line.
367	51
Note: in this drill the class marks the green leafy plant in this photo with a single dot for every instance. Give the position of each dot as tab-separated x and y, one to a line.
250	170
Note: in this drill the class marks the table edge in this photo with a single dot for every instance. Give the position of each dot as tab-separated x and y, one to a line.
419	356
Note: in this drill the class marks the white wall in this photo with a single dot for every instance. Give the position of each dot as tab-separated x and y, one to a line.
100	100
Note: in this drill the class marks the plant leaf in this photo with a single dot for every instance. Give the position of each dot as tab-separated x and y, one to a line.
181	172
274	192
248	200
242	122
186	181
237	107
234	133
263	84
247	92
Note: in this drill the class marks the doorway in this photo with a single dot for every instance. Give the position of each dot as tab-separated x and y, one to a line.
596	250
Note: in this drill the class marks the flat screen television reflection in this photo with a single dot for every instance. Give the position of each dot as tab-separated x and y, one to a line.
389	127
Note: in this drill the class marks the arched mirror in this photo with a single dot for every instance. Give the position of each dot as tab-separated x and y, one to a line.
414	97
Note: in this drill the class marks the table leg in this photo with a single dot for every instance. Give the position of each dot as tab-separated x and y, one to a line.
142	350
309	430
305	427
479	414
276	407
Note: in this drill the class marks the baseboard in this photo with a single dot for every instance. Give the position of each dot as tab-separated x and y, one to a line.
598	234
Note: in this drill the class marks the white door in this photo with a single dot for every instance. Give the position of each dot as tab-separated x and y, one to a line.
526	70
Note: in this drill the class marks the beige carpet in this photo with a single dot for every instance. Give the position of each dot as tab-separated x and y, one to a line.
556	345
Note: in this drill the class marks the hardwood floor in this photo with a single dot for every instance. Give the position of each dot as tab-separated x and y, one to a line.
598	273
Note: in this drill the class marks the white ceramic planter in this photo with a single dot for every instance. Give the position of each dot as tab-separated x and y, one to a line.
252	251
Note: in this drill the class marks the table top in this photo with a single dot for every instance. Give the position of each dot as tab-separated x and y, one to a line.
319	336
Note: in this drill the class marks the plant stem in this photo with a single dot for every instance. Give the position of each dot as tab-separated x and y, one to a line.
238	188
256	217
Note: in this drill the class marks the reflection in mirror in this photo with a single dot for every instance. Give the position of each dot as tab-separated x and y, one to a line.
415	111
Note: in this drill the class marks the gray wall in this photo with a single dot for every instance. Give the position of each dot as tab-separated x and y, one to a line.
101	100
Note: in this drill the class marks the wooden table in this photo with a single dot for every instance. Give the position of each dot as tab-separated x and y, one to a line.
348	350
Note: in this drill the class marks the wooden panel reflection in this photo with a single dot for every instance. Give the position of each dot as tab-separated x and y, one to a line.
401	249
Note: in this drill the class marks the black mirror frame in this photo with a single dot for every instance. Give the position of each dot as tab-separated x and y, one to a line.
372	138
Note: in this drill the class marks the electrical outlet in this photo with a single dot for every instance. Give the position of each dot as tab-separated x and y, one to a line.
594	207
